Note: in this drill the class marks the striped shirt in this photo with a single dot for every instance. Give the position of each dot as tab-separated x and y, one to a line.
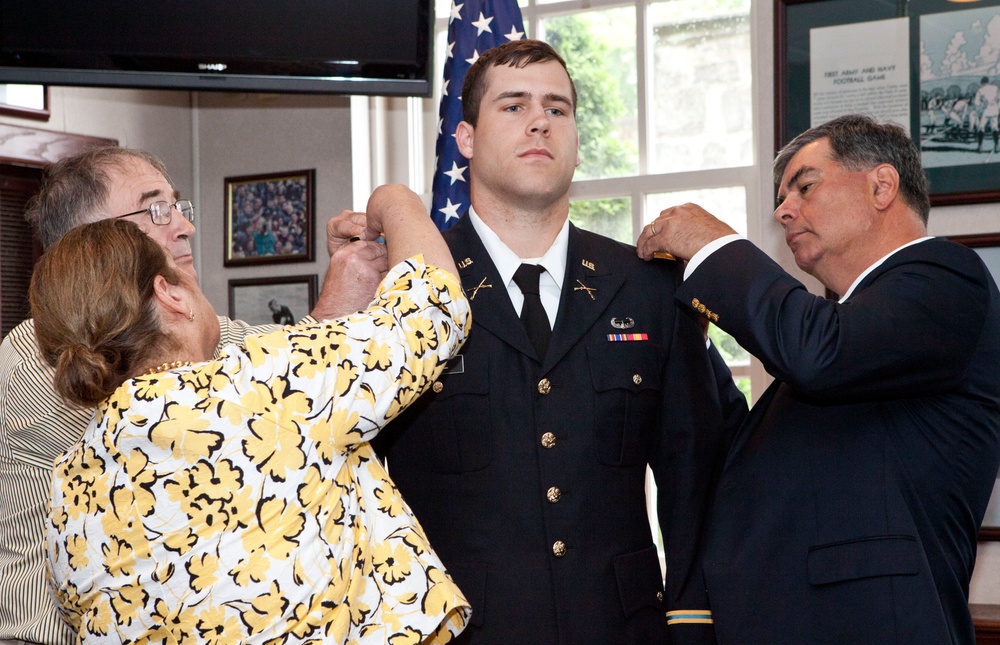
36	428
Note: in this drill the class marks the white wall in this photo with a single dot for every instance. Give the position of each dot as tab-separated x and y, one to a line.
159	121
247	134
205	137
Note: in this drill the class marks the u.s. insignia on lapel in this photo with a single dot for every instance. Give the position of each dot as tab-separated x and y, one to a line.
464	263
588	264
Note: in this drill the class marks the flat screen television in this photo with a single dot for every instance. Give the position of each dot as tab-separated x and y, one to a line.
375	47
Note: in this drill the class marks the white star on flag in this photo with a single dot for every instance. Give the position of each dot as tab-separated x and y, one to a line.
450	211
483	24
456	173
513	35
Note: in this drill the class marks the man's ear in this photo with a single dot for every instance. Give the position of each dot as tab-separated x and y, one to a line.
464	135
171	298
884	184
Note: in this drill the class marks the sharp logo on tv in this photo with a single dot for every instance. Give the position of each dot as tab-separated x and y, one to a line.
212	67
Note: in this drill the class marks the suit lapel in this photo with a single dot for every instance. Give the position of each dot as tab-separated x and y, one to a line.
589	287
487	293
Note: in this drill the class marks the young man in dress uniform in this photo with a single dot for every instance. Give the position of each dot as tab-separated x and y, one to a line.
527	463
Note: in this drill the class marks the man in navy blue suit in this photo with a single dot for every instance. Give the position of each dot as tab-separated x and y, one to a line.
851	498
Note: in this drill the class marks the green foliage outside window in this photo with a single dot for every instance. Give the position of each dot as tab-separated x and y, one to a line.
596	57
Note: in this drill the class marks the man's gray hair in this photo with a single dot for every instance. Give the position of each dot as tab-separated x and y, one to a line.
860	143
75	190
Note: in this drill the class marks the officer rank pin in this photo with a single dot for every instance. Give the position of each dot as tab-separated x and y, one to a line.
590	290
482	285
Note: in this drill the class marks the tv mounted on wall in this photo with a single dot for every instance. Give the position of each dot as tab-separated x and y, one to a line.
376	47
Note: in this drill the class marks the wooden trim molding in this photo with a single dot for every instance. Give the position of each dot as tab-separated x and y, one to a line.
36	148
986	619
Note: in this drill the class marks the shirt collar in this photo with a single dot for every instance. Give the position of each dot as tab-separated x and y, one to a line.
507	262
879	263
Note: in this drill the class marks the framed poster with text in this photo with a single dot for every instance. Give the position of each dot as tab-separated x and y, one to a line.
932	66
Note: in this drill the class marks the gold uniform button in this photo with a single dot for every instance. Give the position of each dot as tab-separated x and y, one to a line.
544	386
438	386
548	440
559	548
637	379
553	494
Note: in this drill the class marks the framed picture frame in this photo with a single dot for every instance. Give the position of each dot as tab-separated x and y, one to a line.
281	300
25	101
988	247
270	218
916	62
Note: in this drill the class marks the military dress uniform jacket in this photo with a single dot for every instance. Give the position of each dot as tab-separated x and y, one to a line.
850	502
528	472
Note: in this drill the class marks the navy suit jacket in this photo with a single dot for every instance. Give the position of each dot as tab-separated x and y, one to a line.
849	505
528	475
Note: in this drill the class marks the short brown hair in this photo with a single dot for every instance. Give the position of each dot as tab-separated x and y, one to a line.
92	300
75	189
516	53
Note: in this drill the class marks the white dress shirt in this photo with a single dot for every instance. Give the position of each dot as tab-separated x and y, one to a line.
717	244
507	262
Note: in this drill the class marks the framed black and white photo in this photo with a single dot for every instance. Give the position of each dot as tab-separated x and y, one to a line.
988	248
282	301
928	65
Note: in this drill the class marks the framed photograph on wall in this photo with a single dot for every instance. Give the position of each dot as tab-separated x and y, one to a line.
270	218
988	248
262	301
928	65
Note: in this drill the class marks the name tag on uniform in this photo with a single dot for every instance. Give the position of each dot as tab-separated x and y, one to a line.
455	365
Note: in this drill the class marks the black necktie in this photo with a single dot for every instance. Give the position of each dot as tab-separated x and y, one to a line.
536	322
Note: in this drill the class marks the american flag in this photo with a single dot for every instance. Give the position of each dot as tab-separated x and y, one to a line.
473	27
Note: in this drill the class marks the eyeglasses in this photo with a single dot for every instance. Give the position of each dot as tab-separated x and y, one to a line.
160	212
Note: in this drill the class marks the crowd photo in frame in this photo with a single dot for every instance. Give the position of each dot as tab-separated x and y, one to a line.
929	65
270	218
264	301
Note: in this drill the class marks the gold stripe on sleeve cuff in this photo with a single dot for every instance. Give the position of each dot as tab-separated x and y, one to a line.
688	616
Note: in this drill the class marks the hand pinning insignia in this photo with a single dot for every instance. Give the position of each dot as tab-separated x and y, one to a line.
590	290
482	285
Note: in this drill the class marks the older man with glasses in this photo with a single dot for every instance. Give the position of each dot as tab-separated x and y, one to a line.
35	426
